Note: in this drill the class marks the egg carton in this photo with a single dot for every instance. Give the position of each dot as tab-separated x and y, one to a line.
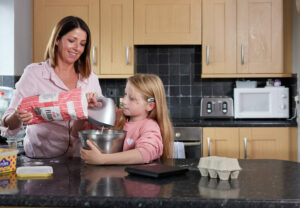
221	167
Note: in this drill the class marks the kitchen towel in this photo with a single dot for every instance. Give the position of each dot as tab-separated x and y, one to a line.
179	151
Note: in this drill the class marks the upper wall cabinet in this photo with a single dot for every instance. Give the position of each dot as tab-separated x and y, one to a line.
219	37
46	13
112	32
245	38
116	40
167	22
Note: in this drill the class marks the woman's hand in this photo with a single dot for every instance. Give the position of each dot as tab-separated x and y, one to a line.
24	116
92	99
92	156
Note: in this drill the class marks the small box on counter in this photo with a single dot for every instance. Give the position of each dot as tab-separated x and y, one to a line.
8	158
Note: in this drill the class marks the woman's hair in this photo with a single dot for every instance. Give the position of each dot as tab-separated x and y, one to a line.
82	65
151	86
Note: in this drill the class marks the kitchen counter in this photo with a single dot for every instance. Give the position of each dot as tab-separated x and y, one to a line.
261	183
234	122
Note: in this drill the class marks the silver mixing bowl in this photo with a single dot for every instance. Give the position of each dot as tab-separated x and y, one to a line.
108	140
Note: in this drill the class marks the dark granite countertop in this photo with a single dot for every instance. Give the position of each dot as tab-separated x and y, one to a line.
261	183
234	122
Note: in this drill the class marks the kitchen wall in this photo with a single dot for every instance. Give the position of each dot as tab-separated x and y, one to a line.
15	52
296	60
296	41
6	37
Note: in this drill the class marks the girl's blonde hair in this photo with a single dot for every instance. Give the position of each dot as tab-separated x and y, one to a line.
65	25
151	86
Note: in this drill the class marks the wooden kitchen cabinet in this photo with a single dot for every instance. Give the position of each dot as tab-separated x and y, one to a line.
246	38
167	22
46	13
221	142
111	25
219	37
116	40
252	143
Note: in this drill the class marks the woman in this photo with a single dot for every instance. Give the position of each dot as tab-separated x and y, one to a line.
66	66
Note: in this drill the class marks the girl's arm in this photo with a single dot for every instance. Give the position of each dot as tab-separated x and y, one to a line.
94	156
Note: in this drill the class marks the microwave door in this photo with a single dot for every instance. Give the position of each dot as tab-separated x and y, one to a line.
254	105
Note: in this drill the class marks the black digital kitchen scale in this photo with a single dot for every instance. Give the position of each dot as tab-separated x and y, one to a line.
155	170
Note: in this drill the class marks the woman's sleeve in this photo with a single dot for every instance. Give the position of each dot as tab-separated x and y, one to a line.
24	88
150	142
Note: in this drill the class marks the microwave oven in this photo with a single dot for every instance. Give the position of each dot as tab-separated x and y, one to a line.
268	102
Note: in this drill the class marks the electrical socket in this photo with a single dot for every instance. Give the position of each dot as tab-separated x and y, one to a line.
111	92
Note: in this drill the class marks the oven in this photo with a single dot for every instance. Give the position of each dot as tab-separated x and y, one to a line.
191	137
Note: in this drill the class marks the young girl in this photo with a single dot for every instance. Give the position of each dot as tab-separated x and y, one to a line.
145	117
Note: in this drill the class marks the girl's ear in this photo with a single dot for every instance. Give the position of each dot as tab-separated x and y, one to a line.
150	106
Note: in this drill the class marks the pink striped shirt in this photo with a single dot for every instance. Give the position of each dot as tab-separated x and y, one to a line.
144	136
47	139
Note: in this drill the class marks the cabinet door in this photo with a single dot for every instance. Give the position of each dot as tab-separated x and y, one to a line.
221	142
265	143
219	37
260	36
46	13
117	55
167	21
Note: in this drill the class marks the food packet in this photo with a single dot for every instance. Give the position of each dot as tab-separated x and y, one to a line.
63	106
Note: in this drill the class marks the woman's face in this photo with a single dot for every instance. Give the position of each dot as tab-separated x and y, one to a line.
71	46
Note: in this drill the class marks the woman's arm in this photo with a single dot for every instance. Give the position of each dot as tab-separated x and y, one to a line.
15	119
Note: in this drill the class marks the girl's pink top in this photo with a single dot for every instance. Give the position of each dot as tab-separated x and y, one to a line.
48	139
144	136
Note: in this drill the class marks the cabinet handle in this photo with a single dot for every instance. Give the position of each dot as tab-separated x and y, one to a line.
127	55
243	55
245	143
207	54
93	55
208	146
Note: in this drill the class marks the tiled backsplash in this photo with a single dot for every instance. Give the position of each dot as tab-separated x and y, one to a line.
179	67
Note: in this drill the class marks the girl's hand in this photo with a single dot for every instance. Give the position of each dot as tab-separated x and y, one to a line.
92	156
92	99
24	116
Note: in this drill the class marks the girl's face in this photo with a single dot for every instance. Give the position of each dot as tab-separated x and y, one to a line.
71	45
134	105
